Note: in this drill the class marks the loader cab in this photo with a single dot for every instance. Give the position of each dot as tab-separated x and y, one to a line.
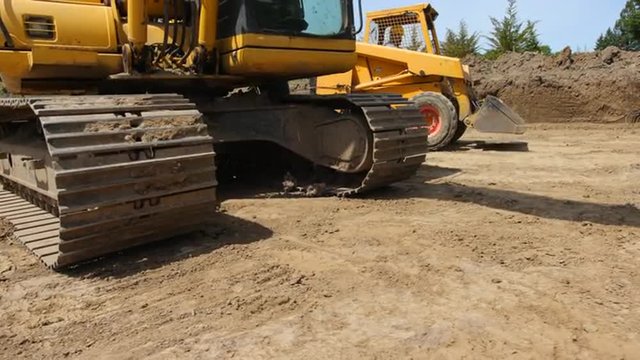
410	28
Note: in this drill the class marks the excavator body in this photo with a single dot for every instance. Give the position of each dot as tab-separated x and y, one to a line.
401	54
116	107
52	41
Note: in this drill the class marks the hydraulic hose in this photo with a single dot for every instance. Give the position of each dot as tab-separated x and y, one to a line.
5	33
165	21
196	6
175	24
183	26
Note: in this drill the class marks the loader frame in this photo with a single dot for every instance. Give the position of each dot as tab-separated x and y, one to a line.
413	66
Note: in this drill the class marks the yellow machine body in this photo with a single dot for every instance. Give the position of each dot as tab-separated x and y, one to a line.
287	57
84	39
382	69
46	42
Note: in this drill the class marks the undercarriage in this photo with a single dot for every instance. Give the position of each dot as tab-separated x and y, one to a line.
85	176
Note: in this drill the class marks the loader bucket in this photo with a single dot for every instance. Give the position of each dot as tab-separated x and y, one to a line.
496	117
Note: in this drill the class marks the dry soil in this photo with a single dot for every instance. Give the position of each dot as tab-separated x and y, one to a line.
490	252
598	87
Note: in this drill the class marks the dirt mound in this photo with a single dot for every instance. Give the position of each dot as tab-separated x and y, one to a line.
596	87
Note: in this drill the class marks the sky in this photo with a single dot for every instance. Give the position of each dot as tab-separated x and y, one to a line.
575	23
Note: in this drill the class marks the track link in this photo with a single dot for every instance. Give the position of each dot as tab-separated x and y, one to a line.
399	140
398	137
127	170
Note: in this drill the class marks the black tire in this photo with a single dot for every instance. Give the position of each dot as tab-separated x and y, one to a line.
443	134
462	128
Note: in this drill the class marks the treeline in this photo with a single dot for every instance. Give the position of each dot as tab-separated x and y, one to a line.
625	33
510	34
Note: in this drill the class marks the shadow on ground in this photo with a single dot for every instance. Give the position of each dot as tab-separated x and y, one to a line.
224	230
502	146
529	204
433	173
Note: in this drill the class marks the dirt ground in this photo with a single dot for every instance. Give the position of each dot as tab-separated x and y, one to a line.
489	252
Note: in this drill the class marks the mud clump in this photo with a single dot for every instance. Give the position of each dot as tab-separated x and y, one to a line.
291	187
6	229
600	87
565	59
142	123
610	55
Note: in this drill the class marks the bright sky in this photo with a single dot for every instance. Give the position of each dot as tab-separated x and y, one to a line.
576	23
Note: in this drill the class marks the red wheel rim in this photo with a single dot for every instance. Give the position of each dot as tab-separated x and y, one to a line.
432	118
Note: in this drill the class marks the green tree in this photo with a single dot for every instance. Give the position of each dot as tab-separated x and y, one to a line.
612	37
625	34
511	34
415	40
461	43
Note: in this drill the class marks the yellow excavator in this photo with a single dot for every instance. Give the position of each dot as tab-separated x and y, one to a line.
400	53
107	137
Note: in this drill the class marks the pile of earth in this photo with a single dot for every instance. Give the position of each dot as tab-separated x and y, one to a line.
599	86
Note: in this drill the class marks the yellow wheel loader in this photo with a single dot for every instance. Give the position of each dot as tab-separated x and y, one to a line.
400	53
107	139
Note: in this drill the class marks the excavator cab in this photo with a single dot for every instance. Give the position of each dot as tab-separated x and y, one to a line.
286	16
276	38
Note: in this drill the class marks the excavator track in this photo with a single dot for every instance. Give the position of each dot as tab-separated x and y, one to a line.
399	138
121	171
126	170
